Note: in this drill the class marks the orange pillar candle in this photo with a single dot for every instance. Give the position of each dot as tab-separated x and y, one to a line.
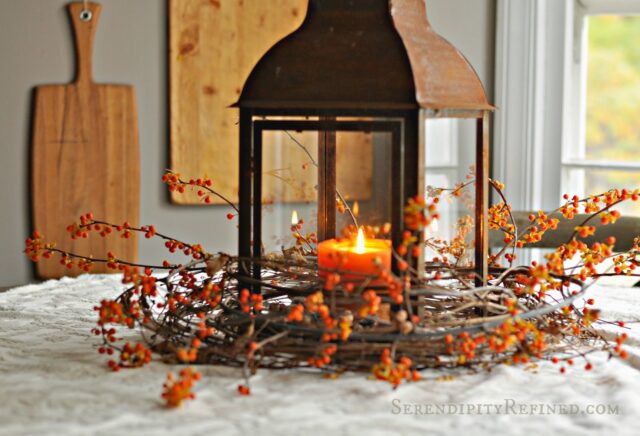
367	257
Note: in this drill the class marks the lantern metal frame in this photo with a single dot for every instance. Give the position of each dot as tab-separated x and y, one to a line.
250	231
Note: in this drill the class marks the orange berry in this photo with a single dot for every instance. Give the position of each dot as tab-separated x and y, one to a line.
244	390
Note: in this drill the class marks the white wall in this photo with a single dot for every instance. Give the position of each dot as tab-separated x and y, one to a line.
36	48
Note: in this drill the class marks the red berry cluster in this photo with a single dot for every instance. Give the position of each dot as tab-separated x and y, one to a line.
249	301
35	247
394	372
314	304
177	390
418	214
134	356
372	303
296	313
324	358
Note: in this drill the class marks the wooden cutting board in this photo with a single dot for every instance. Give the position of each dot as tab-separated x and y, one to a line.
85	156
213	46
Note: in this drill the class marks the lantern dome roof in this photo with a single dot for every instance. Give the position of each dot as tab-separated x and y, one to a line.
364	54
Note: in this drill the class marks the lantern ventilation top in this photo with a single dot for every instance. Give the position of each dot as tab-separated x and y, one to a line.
364	54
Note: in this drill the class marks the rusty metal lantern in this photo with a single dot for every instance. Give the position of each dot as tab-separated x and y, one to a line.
368	66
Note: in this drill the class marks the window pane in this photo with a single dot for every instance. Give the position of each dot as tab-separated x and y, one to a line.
583	182
613	89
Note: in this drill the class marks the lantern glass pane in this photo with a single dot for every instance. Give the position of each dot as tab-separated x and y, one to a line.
364	182
294	150
289	186
449	161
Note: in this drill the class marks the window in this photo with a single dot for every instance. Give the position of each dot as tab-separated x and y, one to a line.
568	98
552	82
603	151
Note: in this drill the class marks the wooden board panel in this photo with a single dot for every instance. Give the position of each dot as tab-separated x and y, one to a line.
85	157
214	44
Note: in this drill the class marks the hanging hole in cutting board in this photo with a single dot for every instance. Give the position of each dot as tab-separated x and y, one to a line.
86	15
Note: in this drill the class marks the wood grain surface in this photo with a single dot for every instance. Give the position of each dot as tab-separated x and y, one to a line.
85	156
214	44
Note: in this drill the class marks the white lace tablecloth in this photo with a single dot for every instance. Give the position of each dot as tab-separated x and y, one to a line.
52	381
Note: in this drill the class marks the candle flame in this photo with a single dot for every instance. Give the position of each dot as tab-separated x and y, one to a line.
355	209
433	227
294	217
360	241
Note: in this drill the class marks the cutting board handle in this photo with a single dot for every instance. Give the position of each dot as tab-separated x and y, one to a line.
85	22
